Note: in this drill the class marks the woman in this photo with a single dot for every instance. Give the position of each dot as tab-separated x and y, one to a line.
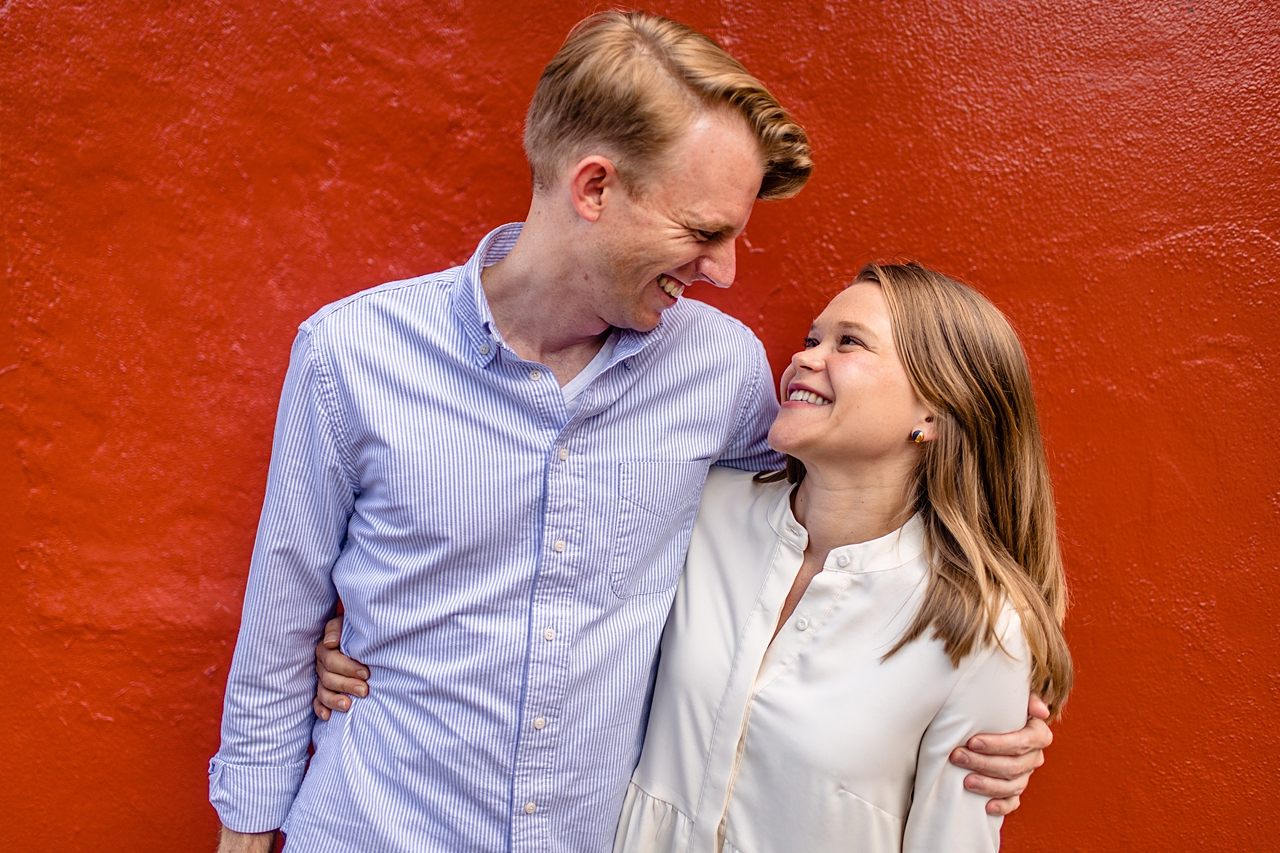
833	639
841	626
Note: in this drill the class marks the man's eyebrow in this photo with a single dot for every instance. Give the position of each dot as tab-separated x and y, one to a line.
719	228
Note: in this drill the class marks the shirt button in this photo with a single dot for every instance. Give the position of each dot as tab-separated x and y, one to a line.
548	635
842	560
559	546
530	808
539	723
535	375
564	453
802	623
484	349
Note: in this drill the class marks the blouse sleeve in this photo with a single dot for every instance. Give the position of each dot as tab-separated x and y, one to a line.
990	697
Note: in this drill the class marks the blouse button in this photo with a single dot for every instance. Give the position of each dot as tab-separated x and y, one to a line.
842	560
802	623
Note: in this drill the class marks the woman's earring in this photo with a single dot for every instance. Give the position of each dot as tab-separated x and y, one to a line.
917	436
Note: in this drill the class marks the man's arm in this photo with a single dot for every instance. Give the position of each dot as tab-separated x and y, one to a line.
230	841
267	719
747	447
1000	765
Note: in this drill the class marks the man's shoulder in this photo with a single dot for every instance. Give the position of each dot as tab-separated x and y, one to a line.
690	315
421	296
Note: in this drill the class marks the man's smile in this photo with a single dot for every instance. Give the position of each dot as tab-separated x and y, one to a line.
670	286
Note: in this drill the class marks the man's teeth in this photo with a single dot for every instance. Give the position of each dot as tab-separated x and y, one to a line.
670	286
801	396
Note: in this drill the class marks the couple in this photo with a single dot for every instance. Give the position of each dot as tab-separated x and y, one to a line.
498	468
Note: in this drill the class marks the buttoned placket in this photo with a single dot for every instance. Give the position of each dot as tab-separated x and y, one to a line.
561	559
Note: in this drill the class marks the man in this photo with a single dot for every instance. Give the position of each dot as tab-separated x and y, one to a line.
496	468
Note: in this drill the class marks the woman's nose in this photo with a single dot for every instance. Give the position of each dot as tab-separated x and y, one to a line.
809	359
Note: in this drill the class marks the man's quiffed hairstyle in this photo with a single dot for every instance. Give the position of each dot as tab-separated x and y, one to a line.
627	83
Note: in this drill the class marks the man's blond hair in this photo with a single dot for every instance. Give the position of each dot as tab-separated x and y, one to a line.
625	84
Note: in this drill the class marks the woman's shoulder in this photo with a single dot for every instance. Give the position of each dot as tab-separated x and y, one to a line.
736	493
737	510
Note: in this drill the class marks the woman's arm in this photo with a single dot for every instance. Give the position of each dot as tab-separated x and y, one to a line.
991	695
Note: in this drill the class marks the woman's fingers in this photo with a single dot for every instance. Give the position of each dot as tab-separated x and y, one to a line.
330	700
334	661
332	632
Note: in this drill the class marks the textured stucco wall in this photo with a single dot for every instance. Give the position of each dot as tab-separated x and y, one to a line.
181	183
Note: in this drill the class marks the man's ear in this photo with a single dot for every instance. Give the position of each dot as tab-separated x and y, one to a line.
591	183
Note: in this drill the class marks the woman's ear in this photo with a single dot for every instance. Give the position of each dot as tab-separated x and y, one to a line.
924	429
591	182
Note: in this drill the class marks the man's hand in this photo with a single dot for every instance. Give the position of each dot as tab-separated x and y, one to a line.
339	674
1002	764
231	841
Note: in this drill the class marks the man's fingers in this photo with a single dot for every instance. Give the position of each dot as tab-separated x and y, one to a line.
998	767
336	662
1003	807
1037	708
321	711
1035	735
996	788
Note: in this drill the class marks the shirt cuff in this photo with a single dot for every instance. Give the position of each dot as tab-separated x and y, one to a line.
253	797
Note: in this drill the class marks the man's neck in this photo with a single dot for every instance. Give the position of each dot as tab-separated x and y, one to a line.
537	310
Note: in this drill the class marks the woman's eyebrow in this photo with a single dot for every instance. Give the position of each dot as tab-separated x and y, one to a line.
855	326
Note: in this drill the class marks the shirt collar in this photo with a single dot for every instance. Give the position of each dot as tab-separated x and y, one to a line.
471	307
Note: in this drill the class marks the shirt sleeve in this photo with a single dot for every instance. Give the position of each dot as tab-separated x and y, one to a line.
991	697
267	716
748	448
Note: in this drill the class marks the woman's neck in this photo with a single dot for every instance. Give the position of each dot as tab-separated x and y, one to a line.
847	508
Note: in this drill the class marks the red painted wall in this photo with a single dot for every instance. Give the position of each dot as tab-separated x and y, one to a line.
184	182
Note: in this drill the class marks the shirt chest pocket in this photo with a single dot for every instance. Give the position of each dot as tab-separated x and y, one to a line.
657	503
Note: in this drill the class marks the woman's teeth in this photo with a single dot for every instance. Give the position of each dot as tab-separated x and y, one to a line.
801	396
670	286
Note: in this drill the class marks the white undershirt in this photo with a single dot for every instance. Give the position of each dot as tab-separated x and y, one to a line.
573	389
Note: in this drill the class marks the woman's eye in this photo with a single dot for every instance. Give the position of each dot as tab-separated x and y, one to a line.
810	343
849	341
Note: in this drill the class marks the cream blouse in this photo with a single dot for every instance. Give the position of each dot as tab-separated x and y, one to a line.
811	742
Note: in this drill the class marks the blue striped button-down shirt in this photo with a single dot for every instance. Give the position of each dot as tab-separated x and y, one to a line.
505	566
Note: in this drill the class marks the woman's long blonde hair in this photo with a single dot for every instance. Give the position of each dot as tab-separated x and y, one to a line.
982	485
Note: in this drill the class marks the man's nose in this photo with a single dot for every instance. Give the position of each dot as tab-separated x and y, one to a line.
719	264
